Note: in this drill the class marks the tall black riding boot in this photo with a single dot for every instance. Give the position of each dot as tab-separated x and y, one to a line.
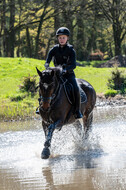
78	114
37	111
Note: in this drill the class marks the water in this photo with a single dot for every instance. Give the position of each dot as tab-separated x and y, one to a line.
97	163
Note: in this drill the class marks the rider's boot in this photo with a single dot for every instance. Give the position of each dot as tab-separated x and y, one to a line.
37	111
78	113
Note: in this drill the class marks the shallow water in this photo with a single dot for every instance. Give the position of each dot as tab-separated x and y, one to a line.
97	163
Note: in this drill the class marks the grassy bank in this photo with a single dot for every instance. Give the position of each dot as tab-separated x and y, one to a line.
14	103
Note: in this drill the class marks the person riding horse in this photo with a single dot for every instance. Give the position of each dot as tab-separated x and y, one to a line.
64	55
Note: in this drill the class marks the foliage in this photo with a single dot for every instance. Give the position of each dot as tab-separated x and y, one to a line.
28	29
29	85
117	81
92	63
114	12
110	93
17	97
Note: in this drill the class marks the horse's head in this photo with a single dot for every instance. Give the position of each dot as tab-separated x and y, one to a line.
48	84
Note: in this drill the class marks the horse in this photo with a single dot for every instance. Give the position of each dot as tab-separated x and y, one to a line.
55	107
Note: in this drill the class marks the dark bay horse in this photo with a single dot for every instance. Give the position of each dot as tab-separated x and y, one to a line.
55	108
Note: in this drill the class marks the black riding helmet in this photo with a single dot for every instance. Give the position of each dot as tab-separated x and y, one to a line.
63	31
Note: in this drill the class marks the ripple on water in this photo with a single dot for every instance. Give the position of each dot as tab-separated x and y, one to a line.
98	162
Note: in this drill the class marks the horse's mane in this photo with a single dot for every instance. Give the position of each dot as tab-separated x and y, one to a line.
58	70
52	72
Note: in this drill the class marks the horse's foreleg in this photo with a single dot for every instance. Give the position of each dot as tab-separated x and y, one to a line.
46	152
50	130
87	121
48	134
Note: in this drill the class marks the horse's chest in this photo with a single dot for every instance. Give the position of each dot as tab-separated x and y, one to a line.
49	117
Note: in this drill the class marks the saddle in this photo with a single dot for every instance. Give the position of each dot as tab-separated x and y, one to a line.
69	91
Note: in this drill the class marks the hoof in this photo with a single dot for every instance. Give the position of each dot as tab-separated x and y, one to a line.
45	153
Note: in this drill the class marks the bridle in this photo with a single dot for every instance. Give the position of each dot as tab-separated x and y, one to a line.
47	99
50	98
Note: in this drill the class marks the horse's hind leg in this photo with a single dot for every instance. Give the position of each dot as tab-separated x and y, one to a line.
87	122
78	127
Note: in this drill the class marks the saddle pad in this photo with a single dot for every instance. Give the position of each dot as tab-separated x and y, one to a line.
69	91
83	95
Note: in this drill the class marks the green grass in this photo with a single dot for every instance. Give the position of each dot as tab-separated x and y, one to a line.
14	103
92	63
97	77
111	93
12	71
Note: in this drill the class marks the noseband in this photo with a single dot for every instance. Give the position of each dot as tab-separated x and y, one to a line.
50	98
46	99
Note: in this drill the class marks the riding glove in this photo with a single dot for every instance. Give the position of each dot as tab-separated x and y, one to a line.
46	65
64	71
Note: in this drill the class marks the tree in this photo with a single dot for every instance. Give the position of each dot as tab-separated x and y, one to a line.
114	11
3	30
11	28
44	16
28	28
80	37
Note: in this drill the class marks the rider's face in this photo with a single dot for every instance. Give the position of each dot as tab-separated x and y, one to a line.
62	39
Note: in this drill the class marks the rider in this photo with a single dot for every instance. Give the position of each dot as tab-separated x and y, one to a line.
64	54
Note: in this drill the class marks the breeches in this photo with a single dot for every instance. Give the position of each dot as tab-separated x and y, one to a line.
71	78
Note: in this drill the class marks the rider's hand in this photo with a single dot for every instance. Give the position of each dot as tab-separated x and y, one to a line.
64	71
46	65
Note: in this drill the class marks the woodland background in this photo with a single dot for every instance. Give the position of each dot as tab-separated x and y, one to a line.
27	27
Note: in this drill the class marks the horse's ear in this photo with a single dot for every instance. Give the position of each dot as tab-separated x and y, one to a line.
39	72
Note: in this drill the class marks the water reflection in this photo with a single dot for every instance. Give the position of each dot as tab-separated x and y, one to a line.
97	163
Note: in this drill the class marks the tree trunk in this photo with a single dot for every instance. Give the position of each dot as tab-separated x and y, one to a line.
12	31
92	39
0	47
19	40
37	37
5	33
39	28
0	28
117	38
28	42
80	42
56	17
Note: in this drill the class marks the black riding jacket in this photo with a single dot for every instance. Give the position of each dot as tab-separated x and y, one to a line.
63	55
